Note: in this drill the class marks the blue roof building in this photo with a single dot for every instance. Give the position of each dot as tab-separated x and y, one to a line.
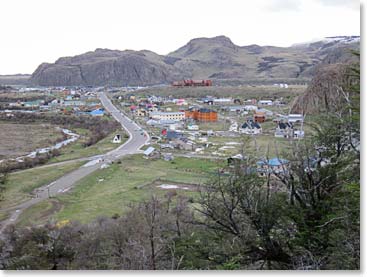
272	166
98	112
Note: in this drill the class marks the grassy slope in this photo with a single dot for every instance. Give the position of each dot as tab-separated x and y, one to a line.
225	91
21	183
77	150
111	190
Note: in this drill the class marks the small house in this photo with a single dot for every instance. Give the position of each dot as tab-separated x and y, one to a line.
168	157
233	127
265	102
149	151
237	101
98	112
250	108
298	134
295	118
192	127
250	128
116	138
235	160
272	166
141	112
170	134
183	144
235	109
284	130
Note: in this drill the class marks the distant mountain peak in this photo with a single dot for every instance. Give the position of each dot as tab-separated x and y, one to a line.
222	40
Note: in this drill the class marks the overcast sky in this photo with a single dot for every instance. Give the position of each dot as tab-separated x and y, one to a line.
36	31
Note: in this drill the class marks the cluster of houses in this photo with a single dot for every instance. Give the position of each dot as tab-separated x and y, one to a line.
287	127
158	111
66	101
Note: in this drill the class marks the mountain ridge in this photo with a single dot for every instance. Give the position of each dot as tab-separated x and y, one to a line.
216	58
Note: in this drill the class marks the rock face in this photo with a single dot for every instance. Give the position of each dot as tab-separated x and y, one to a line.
324	92
107	67
216	58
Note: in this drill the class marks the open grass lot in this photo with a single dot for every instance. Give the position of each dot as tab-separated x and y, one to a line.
24	96
110	191
20	139
260	145
77	150
20	184
220	125
225	91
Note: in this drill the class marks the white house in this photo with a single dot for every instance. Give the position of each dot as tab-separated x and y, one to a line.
149	151
265	102
233	127
284	130
250	108
117	139
298	134
222	100
192	127
295	118
250	128
167	115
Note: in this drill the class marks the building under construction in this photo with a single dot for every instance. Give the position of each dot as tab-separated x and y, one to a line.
203	115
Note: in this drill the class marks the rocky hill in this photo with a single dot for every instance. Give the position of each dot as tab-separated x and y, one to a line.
107	67
324	94
216	58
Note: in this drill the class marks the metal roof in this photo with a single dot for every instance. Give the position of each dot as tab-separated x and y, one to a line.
149	151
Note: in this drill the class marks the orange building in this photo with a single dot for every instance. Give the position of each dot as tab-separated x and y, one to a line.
259	117
204	115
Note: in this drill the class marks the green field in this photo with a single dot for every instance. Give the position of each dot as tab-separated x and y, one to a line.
110	191
20	184
77	150
243	91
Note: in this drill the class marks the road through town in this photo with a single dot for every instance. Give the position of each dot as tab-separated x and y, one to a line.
137	139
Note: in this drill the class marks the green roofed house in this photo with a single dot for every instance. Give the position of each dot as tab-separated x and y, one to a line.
33	104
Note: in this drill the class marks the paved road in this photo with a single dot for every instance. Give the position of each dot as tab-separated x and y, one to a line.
137	138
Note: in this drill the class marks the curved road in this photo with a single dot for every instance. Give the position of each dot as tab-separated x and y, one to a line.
137	138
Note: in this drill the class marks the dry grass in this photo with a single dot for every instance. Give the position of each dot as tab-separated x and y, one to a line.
20	139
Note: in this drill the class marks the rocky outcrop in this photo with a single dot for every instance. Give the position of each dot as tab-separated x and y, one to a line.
107	67
324	92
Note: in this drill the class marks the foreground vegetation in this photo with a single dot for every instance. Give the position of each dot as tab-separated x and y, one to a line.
112	190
